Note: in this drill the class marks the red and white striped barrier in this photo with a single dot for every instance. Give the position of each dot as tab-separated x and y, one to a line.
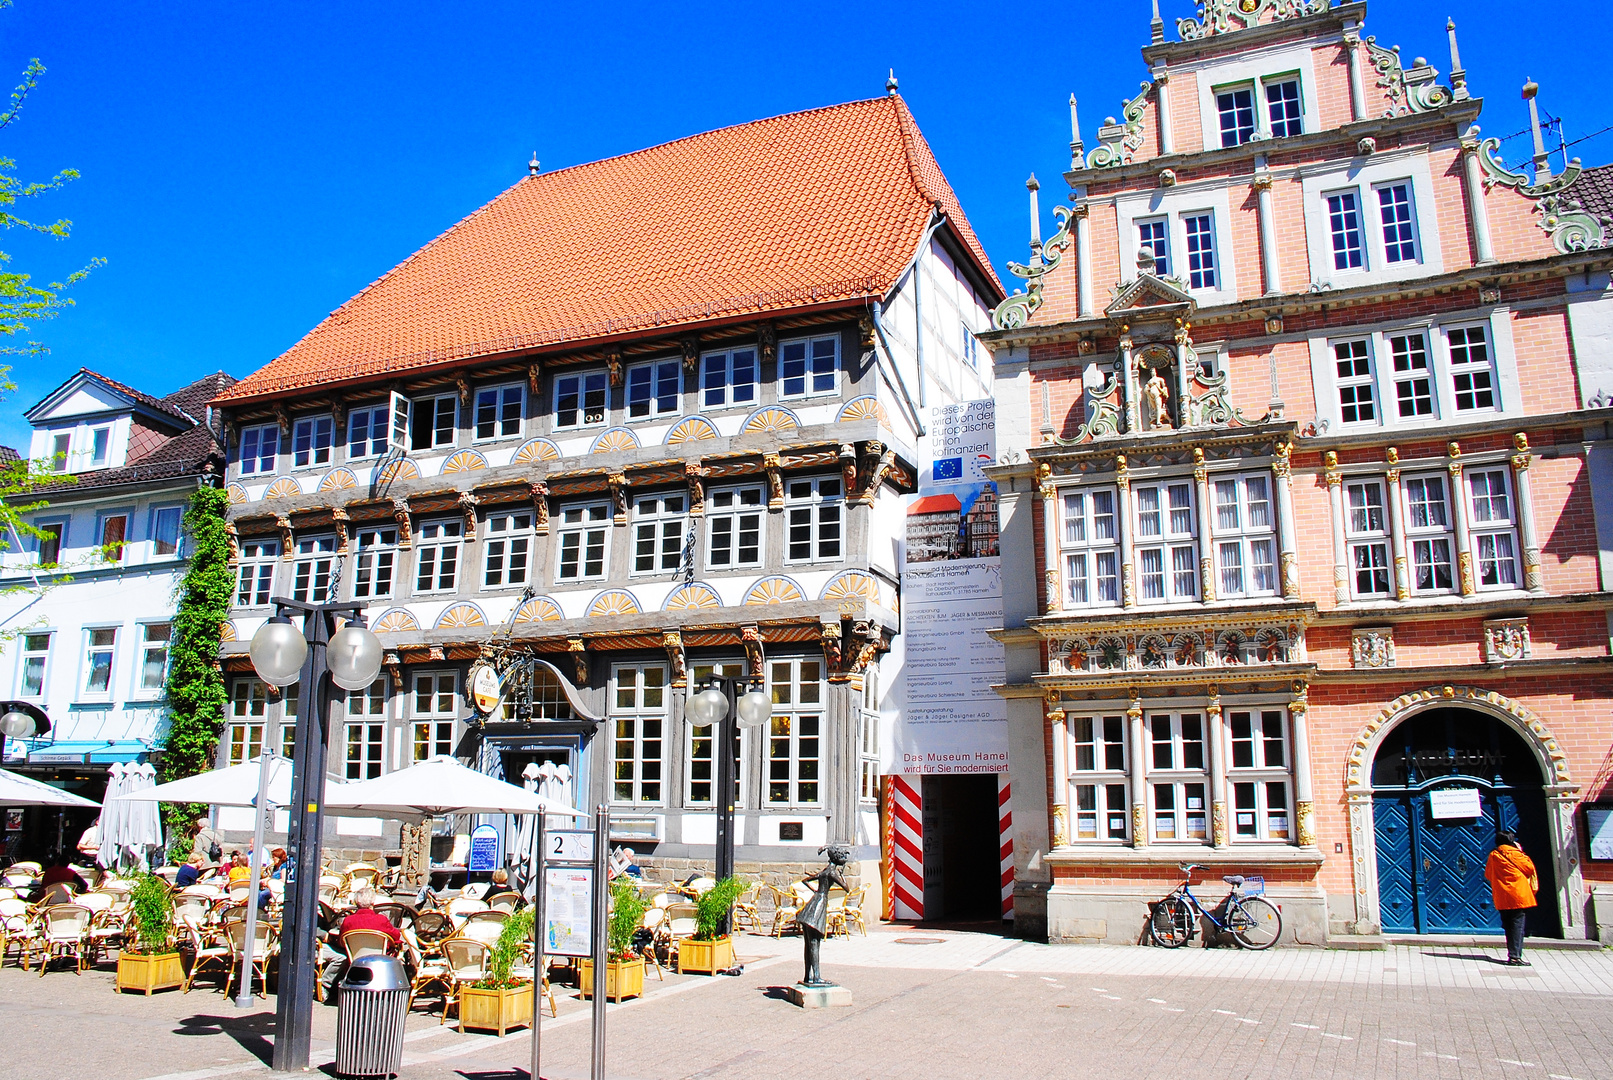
1005	841
905	841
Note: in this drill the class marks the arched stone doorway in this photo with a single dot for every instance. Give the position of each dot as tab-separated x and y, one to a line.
1417	873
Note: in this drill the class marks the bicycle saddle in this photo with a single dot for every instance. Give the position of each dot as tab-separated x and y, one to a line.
1233	879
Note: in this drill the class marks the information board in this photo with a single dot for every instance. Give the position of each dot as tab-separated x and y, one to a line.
569	846
483	849
568	905
1455	803
1599	824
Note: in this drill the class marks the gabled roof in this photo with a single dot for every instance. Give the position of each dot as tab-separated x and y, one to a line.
811	209
160	406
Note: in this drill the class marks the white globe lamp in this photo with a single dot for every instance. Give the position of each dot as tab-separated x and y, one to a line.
755	709
278	651
706	708
354	656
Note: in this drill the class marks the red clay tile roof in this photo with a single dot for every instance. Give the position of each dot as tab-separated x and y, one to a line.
808	209
935	504
172	409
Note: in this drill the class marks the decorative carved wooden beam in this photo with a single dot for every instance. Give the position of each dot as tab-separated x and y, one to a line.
694	474
755	658
400	514
467	506
463	384
848	467
767	341
283	523
534	378
775	481
691	352
233	538
880	463
579	658
672	640
339	516
618	496
540	507
282	418
613	362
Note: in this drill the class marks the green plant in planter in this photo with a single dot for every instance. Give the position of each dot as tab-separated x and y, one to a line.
627	907
714	906
151	911
506	950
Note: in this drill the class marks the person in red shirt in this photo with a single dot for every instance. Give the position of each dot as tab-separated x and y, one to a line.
364	917
59	873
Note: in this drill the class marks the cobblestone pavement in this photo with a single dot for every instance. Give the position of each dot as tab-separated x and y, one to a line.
932	1004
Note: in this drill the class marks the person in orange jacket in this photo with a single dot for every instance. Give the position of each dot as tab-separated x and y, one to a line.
1513	884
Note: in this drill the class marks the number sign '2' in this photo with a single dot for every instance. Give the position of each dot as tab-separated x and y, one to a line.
569	846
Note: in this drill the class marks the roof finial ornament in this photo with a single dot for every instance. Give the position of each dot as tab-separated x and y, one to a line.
533	166
1077	161
1542	162
1156	26
890	83
1459	89
1033	186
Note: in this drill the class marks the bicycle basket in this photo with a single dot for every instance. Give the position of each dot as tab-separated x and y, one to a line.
1252	886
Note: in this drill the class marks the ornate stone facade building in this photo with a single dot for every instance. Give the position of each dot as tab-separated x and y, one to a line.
1303	408
630	423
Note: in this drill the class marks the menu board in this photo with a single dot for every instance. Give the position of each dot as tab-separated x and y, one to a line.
568	910
1599	825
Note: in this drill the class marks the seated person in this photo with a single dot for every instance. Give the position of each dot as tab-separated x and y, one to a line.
364	917
240	869
191	872
277	864
58	872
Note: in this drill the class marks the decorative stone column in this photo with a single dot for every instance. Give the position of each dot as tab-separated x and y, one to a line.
1269	265
1397	525
1162	83
1061	776
1128	592
1287	540
1137	774
1128	367
1304	807
1083	259
1526	514
1201	483
1464	537
1050	540
1335	500
1478	215
1352	50
1217	734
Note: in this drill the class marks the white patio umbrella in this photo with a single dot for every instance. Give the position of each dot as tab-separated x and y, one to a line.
112	816
435	787
142	824
559	791
236	785
19	790
526	836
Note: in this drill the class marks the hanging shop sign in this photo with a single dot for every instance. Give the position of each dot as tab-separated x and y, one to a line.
486	688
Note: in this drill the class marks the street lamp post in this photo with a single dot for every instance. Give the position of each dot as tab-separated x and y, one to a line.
21	720
719	701
282	654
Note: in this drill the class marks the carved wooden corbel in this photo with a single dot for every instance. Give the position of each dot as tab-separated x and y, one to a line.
848	467
613	361
832	655
400	514
691	352
869	644
879	468
775	480
394	670
865	330
540	507
534	378
232	435
282	418
755	658
694	474
579	658
338	415
233	537
339	516
672	641
617	481
467	506
767	342
463	385
283	523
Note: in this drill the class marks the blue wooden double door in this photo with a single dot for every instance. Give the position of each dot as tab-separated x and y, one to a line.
1431	870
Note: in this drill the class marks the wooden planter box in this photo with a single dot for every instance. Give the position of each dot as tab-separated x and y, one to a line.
149	971
495	1010
623	979
705	957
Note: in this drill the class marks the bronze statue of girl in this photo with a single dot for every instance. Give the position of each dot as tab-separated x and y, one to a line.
814	917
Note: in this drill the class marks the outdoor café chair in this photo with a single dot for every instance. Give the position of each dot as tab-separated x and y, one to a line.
852	911
654	920
398	914
786	906
207	955
167	873
26	867
461	907
484	926
467	962
65	928
7	893
357	943
262	949
522	969
431	927
506	901
836	914
59	893
747	913
428	970
681	922
17	925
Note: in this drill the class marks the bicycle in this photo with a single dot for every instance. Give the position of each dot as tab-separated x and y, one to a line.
1253	921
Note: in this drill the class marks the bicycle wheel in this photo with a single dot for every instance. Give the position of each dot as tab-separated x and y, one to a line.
1256	923
1171	924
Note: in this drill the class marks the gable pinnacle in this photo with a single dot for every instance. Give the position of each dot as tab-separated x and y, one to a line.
890	83
533	166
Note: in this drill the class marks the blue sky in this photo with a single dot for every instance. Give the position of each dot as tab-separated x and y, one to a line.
247	168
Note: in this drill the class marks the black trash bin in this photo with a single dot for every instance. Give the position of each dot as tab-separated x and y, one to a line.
370	1011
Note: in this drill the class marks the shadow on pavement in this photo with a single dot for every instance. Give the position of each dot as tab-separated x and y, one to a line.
1468	956
777	993
251	1032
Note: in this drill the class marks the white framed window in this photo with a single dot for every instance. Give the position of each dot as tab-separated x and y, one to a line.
1472	372
1429	525
700	779
498	411
61	449
638	718
48	545
1284	115
1414	388
35	657
311	441
868	738
734	520
290	700
165	536
809	366
1235	110
659	524
1399	223
728	378
433	421
1167	553
584	533
655	389
259	445
970	350
1098	778
1352	366
1258	775
433	710
367	431
366	731
1178	779
100	651
249	702
1245	538
1201	267
815	512
1493	529
113	528
311	568
254	572
374	562
507	549
1090	541
100	448
1151	234
795	737
436	555
154	639
581	400
1366	531
1344	229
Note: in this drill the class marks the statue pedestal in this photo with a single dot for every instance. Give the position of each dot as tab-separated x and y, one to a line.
818	997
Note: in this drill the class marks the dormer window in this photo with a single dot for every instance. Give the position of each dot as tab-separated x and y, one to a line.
259	445
100	447
311	441
61	445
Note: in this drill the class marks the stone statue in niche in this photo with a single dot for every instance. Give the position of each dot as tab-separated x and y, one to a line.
1156	401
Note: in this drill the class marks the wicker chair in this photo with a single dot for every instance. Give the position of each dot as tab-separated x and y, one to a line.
64	933
467	962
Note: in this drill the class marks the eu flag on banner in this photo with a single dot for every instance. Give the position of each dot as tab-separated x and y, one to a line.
947	469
